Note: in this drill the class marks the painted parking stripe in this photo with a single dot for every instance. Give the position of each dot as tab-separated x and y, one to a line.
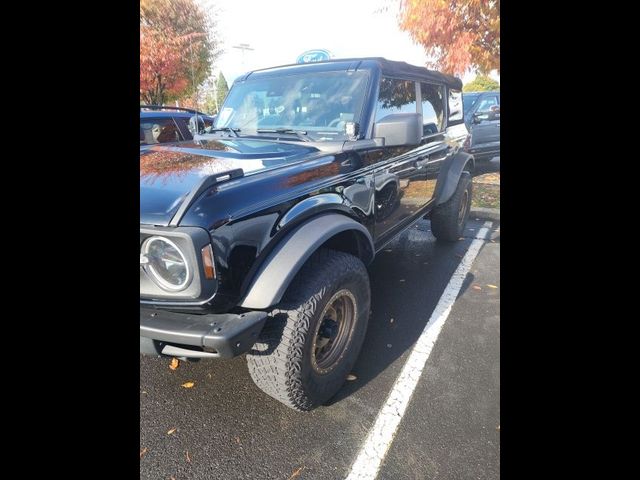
380	437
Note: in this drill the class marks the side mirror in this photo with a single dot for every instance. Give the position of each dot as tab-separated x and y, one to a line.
399	129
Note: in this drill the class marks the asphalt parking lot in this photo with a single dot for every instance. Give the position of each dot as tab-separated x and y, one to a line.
225	427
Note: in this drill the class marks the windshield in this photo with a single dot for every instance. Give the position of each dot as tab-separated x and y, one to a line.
320	104
468	101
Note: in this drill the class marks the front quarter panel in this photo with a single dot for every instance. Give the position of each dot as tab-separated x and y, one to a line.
287	258
248	217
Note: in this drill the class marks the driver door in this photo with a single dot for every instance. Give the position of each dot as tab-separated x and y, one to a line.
401	182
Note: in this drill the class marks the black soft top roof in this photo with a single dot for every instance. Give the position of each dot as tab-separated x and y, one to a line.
403	69
389	68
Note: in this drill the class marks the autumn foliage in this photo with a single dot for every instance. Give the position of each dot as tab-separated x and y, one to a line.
160	164
457	34
162	74
175	49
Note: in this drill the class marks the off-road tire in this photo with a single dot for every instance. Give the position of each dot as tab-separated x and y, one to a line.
280	363
446	223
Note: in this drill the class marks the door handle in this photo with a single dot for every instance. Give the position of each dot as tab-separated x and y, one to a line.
422	163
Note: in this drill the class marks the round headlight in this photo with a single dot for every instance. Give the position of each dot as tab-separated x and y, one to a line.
166	263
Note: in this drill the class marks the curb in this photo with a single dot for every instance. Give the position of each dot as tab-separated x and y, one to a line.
485	213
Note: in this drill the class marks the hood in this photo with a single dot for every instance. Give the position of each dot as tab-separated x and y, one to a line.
168	173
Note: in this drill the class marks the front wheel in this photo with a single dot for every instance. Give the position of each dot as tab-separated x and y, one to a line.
449	219
312	340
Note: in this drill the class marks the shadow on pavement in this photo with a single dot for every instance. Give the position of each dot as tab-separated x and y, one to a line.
407	280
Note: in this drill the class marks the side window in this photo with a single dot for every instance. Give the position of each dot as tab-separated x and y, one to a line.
432	108
187	124
455	105
396	96
183	123
158	130
486	104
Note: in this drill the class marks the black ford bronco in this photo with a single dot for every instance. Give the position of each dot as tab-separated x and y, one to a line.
254	237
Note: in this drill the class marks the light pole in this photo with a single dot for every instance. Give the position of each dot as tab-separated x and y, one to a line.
244	47
215	94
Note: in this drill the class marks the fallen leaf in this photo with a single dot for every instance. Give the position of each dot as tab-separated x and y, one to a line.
143	392
296	473
391	321
172	478
188	457
174	363
402	279
491	286
188	385
172	431
351	377
143	451
238	441
476	287
498	428
388	345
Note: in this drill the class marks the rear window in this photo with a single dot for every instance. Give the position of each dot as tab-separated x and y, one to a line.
432	108
158	130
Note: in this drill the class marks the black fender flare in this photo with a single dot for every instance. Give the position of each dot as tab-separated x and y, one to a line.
287	258
450	175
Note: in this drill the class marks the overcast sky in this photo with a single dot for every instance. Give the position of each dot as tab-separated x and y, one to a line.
280	30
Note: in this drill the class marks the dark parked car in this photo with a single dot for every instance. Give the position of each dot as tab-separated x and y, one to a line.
159	124
254	237
482	118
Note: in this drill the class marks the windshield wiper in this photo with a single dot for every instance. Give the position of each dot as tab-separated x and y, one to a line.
302	135
234	131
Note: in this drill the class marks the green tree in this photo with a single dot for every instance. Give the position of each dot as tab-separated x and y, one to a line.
211	94
222	90
207	96
481	83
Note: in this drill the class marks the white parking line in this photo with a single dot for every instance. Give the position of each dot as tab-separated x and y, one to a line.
381	436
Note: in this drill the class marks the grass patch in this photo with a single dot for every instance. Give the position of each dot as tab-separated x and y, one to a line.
486	191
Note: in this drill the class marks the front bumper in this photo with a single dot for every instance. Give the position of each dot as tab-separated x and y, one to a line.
198	336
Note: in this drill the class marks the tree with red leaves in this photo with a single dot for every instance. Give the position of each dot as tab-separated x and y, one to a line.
176	49
457	34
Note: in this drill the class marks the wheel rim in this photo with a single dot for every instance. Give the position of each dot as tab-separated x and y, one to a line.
463	207
333	334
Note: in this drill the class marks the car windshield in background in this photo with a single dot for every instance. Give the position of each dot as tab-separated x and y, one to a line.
320	104
468	100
